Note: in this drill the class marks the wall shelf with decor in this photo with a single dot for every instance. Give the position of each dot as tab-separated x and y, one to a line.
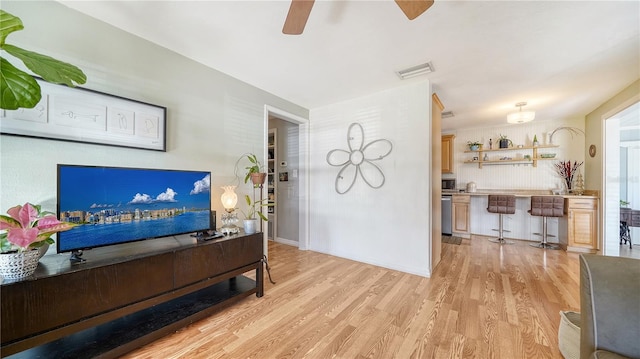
272	182
535	156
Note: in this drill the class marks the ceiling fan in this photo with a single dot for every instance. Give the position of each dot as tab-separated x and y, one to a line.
299	11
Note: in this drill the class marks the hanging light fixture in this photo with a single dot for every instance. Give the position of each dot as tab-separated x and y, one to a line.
521	116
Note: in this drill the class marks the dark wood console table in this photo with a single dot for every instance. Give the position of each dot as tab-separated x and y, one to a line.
628	218
125	296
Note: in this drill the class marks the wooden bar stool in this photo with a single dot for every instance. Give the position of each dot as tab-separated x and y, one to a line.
545	207
501	204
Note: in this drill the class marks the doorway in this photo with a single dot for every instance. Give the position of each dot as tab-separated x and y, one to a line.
286	152
621	177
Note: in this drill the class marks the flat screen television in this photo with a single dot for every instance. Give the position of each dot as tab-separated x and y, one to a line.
115	205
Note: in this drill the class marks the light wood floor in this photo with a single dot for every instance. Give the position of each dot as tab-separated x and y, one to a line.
483	301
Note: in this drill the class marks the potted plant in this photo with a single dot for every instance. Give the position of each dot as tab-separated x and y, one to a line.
624	203
474	145
254	208
255	171
504	141
20	89
26	229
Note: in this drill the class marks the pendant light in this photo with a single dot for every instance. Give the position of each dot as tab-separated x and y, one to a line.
521	116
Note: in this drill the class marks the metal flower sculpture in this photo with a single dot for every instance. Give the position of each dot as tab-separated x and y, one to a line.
359	160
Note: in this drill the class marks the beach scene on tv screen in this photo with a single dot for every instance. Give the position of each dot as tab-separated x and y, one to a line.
117	205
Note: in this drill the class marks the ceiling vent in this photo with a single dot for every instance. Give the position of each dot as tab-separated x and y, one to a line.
415	71
447	114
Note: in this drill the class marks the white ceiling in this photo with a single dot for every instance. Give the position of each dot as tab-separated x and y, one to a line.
565	58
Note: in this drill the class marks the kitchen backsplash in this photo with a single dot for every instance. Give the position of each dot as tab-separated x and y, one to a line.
514	176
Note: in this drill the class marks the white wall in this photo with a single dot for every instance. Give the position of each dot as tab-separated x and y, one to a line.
212	118
388	226
513	176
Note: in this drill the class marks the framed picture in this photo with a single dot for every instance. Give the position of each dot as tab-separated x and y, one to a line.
81	115
284	176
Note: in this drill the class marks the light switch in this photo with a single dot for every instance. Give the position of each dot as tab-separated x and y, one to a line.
294	173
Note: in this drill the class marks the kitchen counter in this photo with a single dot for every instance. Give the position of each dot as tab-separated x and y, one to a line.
575	231
519	193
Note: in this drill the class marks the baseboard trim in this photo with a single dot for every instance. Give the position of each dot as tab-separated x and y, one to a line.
288	242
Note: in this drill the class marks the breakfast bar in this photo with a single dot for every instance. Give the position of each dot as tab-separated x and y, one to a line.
576	231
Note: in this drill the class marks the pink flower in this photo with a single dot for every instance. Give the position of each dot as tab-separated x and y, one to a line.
26	225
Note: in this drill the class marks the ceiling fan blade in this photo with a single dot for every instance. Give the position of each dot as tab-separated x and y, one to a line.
297	17
414	8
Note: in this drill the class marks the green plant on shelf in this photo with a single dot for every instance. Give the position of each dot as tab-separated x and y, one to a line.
474	145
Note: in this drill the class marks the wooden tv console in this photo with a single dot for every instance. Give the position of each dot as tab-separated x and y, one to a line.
125	296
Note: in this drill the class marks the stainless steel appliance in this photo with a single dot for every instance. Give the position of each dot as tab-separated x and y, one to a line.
446	214
448	183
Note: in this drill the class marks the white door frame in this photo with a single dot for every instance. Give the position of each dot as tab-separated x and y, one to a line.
303	173
610	199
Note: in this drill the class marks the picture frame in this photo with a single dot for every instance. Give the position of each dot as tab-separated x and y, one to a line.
283	176
81	115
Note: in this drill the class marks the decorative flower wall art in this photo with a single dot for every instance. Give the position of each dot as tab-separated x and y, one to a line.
359	159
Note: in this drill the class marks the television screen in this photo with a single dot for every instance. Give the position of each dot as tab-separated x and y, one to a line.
118	205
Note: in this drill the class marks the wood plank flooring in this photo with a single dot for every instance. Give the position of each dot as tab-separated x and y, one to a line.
484	300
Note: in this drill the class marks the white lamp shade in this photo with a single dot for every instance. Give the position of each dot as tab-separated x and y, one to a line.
229	197
521	116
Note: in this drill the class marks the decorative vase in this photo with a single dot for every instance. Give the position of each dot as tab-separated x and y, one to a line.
18	265
568	183
42	250
250	226
258	178
504	143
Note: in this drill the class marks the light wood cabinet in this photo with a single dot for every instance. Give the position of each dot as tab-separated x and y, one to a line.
447	153
581	222
460	209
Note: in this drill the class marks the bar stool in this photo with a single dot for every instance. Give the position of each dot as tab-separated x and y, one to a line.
501	204
545	207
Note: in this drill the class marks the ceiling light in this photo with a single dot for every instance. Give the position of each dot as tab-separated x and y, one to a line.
415	71
521	116
447	114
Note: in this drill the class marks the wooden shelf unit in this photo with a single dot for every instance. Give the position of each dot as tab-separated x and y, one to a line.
535	156
272	182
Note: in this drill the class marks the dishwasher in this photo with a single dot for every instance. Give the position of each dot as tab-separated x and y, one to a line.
446	214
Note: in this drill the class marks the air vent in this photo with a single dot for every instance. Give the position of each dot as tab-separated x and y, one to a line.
447	114
415	71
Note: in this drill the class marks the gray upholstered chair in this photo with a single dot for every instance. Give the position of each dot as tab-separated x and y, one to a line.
545	207
609	307
501	204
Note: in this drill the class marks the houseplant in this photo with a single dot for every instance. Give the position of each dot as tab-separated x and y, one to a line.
19	89
22	232
474	145
255	171
504	141
254	209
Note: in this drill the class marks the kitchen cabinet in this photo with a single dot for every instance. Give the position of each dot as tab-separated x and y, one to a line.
504	152
460	208
447	153
580	224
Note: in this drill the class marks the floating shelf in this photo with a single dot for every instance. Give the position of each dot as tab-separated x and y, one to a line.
533	161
